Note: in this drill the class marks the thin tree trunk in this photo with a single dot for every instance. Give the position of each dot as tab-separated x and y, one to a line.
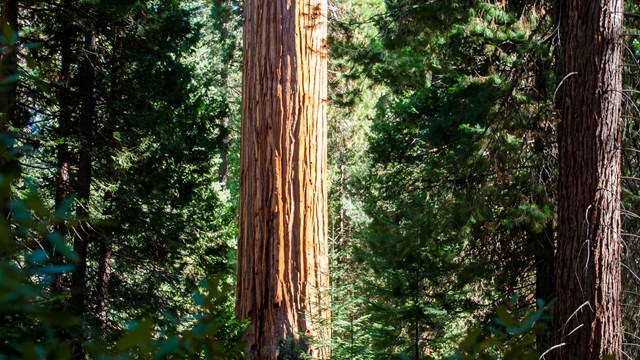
587	317
282	249
82	232
545	276
342	218
63	156
543	243
223	168
9	66
105	250
8	92
105	243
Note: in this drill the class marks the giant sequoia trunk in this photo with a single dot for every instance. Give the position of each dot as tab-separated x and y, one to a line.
282	248
587	314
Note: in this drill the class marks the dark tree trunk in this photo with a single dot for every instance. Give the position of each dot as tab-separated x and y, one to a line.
587	321
105	243
9	66
102	285
226	39
544	242
105	252
545	277
8	92
82	233
283	279
223	168
63	155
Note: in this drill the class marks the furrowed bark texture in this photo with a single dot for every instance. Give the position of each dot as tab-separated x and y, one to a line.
282	249
587	315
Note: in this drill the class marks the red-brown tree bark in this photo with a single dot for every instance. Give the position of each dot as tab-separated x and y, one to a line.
587	321
282	249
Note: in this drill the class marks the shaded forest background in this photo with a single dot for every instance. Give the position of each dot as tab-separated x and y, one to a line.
120	178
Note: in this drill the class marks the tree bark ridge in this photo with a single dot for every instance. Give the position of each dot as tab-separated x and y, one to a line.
589	251
282	249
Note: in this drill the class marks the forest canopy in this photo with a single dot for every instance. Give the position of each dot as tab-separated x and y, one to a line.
313	179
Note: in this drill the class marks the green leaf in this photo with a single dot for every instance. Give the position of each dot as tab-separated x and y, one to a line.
29	351
61	246
168	347
504	317
8	34
139	335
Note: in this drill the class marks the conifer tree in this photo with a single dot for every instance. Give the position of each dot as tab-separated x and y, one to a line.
587	321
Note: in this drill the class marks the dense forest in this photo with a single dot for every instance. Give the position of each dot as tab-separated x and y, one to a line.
313	179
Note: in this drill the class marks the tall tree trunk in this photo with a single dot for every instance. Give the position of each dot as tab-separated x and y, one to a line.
8	94
227	56
82	233
105	243
9	65
543	243
63	156
282	249
223	168
587	315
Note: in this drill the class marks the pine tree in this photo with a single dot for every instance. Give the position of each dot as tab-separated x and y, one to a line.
460	214
587	320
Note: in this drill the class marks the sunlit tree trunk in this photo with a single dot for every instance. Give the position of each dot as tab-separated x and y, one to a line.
282	249
587	321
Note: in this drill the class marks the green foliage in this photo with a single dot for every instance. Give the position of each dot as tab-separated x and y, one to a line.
442	172
353	99
293	349
24	277
156	205
509	336
630	186
454	192
26	274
